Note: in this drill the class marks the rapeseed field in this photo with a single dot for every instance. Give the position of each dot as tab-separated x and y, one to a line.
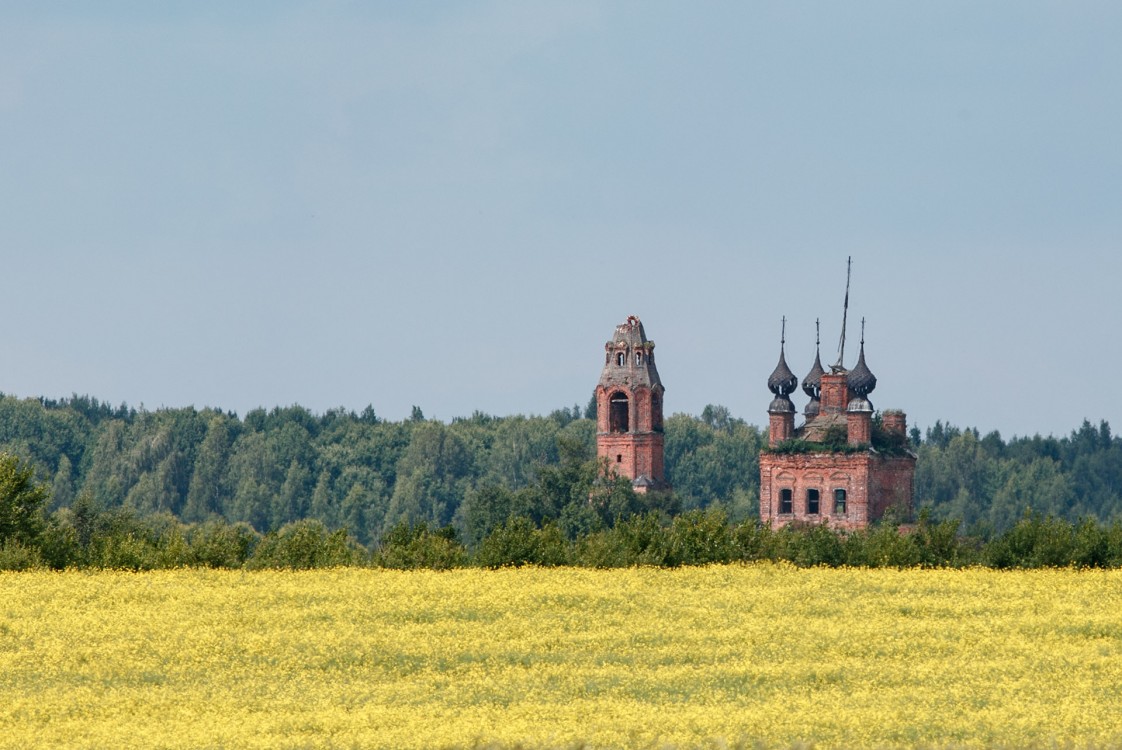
760	655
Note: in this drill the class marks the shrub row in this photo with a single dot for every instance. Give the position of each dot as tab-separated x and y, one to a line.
83	538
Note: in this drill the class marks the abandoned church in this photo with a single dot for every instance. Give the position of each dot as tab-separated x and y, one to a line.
843	466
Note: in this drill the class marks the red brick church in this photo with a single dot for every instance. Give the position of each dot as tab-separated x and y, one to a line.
841	467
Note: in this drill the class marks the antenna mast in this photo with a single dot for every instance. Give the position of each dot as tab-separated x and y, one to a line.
840	366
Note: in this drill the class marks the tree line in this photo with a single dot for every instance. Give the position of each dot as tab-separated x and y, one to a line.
144	472
619	533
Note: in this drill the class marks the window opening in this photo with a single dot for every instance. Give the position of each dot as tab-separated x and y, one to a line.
812	502
785	501
839	501
638	358
619	458
618	413
621	359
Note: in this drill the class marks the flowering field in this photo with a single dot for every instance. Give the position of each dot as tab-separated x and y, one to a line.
645	658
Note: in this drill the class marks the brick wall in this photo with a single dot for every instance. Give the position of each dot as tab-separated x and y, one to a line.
638	451
872	483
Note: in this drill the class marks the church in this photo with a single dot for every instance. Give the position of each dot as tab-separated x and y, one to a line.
843	467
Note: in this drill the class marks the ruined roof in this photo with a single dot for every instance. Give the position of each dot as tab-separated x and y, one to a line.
814	430
630	339
630	332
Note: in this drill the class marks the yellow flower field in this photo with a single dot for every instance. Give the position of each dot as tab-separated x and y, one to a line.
643	658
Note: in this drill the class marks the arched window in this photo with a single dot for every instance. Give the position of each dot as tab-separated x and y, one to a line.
785	501
812	502
619	415
638	358
621	359
656	413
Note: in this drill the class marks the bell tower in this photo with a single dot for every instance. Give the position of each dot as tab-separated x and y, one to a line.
629	408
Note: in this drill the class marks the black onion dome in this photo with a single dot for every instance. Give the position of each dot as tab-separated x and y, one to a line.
812	383
782	381
861	381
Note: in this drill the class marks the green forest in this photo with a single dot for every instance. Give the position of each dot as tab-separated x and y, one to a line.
369	483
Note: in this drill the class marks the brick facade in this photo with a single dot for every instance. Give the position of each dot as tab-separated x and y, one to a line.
872	483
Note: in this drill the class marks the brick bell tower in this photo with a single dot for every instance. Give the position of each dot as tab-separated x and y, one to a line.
629	409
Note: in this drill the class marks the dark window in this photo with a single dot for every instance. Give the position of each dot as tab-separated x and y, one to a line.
618	414
839	501
656	413
619	458
812	502
785	501
621	359
638	358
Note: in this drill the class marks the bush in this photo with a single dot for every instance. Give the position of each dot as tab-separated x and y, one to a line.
1034	542
217	544
882	546
519	542
407	547
16	556
938	545
304	545
639	540
701	537
807	546
755	541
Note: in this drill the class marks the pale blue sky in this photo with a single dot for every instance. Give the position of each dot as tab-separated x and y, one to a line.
453	204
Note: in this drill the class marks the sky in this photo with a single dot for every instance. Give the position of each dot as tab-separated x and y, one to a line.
452	205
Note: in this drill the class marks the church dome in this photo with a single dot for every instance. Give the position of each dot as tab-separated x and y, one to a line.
812	383
861	381
782	381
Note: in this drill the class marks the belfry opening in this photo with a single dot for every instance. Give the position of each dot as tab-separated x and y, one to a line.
618	418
